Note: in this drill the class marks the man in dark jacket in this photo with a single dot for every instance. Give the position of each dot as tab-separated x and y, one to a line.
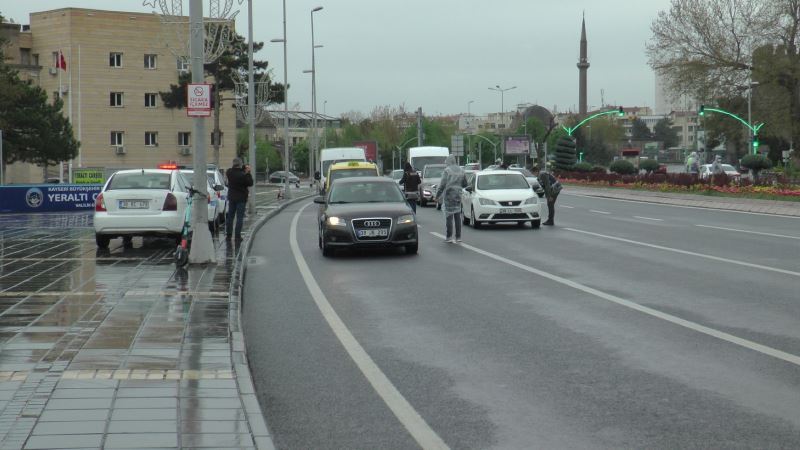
410	182
239	180
552	188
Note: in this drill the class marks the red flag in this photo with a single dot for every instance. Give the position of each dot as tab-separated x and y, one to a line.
62	63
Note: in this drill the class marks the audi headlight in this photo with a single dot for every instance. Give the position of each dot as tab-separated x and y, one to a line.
335	221
532	201
402	220
487	202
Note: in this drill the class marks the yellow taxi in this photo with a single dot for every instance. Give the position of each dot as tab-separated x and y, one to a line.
350	169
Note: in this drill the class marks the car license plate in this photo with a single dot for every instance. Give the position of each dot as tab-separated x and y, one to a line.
379	232
510	211
134	204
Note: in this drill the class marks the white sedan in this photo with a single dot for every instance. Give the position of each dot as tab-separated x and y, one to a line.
140	202
499	196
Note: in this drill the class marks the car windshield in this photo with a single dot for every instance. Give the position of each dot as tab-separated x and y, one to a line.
433	172
502	181
349	173
524	172
420	162
139	180
366	192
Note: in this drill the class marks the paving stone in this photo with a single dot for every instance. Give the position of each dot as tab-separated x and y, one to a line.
64	441
141	440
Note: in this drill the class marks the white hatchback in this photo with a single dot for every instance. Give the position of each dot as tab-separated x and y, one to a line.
140	202
499	196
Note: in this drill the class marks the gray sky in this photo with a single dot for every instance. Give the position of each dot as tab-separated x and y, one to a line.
440	54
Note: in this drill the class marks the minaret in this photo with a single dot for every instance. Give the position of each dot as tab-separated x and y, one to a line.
583	67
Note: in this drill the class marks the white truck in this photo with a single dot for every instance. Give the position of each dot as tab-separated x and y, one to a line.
328	156
419	157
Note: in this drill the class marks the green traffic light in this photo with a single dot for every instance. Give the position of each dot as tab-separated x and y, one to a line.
702	111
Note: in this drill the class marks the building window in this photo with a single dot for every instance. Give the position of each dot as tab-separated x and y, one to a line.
55	59
151	138
115	59
150	100
115	99
25	56
149	61
183	65
117	138
183	138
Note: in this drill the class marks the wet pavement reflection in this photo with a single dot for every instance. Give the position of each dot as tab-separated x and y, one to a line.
116	347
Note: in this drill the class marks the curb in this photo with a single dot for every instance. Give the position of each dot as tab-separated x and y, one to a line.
241	367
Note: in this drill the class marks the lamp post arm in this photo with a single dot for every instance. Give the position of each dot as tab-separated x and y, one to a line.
753	128
592	117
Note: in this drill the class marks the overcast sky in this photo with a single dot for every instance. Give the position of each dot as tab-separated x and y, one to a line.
440	54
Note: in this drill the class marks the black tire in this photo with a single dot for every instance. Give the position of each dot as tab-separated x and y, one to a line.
326	250
475	223
412	249
536	224
102	240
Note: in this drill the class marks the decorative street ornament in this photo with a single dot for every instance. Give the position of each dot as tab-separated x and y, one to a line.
262	87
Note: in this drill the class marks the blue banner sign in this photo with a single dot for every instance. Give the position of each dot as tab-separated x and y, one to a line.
47	198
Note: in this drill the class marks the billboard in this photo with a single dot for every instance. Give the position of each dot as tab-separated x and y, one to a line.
89	176
517	145
48	197
370	149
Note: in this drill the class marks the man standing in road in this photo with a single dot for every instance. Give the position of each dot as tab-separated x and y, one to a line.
410	182
551	190
239	180
448	194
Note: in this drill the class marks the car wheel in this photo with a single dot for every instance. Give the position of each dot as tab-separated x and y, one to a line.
475	223
319	238
535	224
412	249
102	240
326	250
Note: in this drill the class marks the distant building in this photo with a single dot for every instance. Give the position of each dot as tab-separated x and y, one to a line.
271	128
116	65
668	101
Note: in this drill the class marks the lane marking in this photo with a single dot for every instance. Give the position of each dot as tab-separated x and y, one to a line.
599	212
405	413
766	350
704	208
568	207
686	252
648	218
750	232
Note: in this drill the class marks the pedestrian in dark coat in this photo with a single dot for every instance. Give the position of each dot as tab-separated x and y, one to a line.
239	180
410	182
551	188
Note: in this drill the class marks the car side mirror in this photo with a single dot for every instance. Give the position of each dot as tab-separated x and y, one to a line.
219	187
469	189
319	199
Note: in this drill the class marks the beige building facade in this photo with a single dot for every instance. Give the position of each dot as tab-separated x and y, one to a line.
116	65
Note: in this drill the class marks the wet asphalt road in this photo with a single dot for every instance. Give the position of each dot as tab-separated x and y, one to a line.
683	335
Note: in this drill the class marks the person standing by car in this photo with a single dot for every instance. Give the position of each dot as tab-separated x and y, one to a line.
551	190
693	163
448	194
239	180
410	182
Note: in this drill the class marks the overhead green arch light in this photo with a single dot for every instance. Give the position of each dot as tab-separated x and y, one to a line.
752	127
619	112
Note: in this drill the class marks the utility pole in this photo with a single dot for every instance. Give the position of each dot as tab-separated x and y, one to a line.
202	250
420	134
251	110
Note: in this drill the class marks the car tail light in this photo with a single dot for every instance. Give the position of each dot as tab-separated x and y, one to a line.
170	203
99	204
219	195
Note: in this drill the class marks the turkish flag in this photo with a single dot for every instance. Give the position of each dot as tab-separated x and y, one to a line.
62	63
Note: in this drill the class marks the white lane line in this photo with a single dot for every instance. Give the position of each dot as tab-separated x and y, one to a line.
648	218
766	350
599	212
686	252
751	232
405	413
568	207
705	208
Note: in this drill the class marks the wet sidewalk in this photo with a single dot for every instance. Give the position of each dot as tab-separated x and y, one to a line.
783	208
118	348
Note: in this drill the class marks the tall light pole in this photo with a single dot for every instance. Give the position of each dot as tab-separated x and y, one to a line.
502	92
469	103
750	106
287	194
314	140
251	108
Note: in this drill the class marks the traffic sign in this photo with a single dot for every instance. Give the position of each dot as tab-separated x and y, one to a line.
457	145
198	102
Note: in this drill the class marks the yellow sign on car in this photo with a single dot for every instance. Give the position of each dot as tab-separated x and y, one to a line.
350	169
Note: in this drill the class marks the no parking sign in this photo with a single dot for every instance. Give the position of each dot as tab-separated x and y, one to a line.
198	102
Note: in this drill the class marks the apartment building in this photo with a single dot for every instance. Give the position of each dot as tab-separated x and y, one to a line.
114	66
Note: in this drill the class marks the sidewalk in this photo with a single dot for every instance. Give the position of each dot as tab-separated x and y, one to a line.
784	208
118	349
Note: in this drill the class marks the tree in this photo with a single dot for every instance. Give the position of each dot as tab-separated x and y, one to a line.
34	129
565	153
639	130
648	165
710	49
622	167
601	139
756	163
664	132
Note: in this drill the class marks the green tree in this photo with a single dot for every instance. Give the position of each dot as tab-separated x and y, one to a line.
622	167
600	138
664	132
267	156
639	130
565	153
648	165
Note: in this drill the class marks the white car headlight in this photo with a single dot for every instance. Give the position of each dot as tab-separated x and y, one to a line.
487	202
336	221
402	220
532	201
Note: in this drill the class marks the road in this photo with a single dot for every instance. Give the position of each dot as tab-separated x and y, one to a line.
628	325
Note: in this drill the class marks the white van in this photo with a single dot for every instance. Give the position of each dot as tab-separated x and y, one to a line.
328	156
419	157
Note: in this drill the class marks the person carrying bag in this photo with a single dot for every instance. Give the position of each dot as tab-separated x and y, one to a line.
410	182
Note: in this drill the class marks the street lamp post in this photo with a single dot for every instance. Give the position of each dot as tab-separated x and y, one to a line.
287	194
314	139
749	105
502	92
251	109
